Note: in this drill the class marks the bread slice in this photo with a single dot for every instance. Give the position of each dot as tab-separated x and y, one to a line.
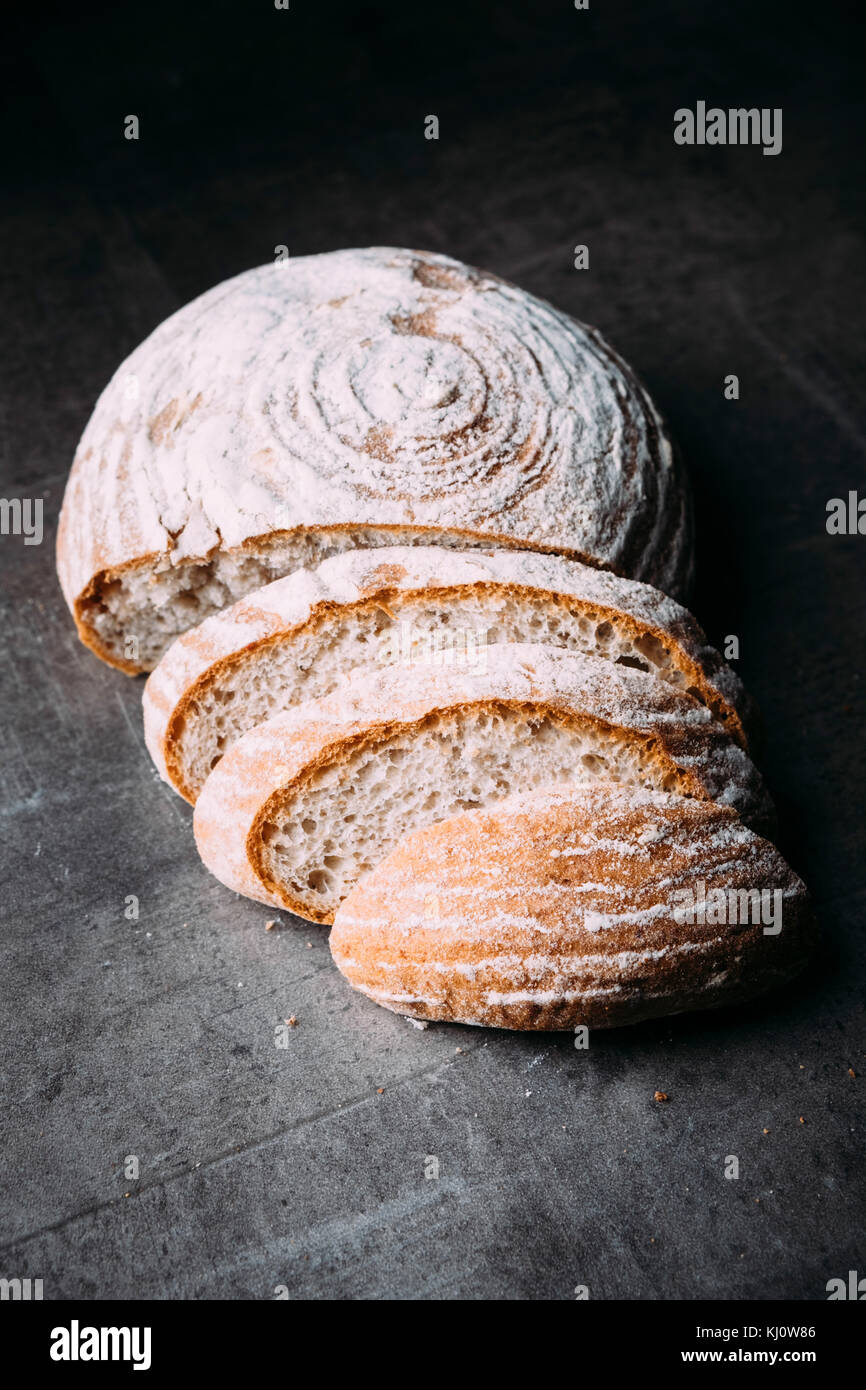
304	804
571	906
365	397
295	639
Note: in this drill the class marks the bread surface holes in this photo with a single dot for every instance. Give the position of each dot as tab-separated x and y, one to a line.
311	662
458	760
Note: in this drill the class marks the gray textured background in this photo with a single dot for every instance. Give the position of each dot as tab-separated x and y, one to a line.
156	1037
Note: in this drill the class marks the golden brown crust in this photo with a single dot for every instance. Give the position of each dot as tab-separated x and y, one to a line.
565	908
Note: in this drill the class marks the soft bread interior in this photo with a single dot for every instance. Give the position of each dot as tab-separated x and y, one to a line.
440	630
136	614
333	825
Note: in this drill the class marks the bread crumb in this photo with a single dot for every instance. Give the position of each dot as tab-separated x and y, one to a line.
269	926
765	1131
291	1022
380	1090
851	1071
661	1096
802	1121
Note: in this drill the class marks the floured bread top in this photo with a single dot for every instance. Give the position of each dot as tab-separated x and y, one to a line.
599	905
374	387
603	859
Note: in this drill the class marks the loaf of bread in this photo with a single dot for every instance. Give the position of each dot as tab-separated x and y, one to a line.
599	906
360	398
304	804
295	639
384	527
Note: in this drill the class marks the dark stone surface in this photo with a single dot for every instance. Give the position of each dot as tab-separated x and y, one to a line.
155	1037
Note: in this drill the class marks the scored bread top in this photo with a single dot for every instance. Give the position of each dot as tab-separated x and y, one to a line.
690	748
560	907
673	643
377	387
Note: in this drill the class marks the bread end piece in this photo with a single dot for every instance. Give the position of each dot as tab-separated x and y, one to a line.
570	908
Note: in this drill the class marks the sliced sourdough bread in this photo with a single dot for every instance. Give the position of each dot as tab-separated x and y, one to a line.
304	804
363	397
295	639
599	905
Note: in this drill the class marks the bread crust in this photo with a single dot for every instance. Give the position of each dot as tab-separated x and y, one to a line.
263	410
268	766
359	582
559	909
